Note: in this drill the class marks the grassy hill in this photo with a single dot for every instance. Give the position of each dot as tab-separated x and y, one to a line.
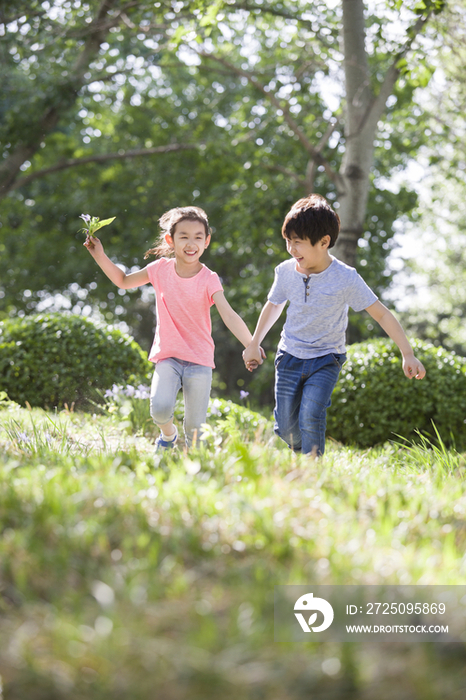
125	575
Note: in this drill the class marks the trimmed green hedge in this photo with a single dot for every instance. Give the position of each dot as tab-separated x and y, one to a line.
374	402
53	359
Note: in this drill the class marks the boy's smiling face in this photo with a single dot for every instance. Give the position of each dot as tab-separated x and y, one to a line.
310	259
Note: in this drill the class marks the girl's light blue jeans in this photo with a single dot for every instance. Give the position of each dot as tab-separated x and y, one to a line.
172	374
302	395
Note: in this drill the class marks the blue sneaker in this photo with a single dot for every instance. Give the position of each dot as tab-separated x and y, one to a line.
161	445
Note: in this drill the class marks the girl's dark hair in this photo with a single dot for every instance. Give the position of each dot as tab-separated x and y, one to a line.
312	217
168	222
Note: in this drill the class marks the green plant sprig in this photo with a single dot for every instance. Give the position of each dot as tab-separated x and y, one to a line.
94	223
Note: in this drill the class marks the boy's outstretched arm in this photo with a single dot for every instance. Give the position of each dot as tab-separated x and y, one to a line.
113	272
412	367
269	315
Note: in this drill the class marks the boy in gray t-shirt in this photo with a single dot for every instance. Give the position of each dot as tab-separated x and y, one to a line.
311	351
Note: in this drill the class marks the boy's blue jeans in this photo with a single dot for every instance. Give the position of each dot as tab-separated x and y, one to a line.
302	395
172	374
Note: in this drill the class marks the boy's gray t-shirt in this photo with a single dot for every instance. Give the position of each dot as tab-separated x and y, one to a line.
317	315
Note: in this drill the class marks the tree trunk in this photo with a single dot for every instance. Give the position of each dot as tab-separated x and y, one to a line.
363	111
353	183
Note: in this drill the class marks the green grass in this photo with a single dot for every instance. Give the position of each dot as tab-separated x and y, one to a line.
125	575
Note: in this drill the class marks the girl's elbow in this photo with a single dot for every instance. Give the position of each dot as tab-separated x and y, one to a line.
124	283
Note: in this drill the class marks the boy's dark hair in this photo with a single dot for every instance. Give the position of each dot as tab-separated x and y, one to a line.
312	217
168	223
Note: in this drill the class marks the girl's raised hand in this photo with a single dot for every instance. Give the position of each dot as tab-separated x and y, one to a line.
94	246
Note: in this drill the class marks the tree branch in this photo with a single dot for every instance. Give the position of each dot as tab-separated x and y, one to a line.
377	106
101	25
97	32
268	9
66	96
102	158
314	152
8	20
315	162
279	106
302	182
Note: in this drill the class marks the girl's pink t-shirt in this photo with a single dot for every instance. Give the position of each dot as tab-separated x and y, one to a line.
184	328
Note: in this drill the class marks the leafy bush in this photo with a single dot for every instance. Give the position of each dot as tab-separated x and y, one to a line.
53	359
228	418
374	402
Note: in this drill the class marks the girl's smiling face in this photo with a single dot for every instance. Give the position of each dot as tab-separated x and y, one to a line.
189	240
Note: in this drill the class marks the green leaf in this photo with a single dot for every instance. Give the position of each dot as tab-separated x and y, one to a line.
210	17
105	222
94	224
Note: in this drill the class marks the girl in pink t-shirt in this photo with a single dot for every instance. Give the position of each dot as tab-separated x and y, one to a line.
185	289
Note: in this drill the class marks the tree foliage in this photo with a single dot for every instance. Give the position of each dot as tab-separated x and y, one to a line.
128	108
437	294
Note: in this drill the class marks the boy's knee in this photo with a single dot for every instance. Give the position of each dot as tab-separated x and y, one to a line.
285	425
314	411
290	435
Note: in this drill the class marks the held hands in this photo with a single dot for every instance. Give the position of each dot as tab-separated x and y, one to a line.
253	357
412	367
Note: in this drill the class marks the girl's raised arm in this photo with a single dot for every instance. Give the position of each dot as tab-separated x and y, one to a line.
113	272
